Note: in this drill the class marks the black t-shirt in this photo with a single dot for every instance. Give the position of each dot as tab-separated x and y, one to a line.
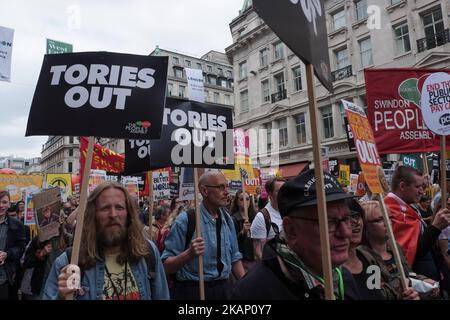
244	241
362	283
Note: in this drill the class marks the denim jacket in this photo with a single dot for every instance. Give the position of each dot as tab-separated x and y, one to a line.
175	245
92	281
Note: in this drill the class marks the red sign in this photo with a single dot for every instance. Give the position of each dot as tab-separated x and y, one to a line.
393	110
102	158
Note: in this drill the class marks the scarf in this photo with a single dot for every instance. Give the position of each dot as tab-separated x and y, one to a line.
300	273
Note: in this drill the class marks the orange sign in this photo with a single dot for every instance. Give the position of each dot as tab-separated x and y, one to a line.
366	148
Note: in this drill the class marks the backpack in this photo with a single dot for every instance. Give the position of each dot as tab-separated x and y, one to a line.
269	223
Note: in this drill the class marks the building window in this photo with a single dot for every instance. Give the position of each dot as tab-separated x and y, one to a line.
70	152
209	68
169	89
279	82
327	120
341	58
244	101
265	90
216	97
395	1
263	57
343	114
243	70
187	63
181	91
220	71
69	167
297	77
300	125
269	136
176	60
283	134
278	50
401	36
361	10
178	72
338	20
365	50
212	80
227	99
206	95
223	83
230	74
70	139
199	66
434	28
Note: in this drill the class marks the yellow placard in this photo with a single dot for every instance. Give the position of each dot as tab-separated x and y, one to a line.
61	180
19	184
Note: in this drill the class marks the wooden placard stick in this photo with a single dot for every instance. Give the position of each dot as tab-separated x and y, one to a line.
198	232
443	174
320	189
150	203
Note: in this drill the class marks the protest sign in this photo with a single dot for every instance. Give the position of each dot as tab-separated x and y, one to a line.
366	148
302	27
47	206
62	181
16	184
394	110
344	174
161	185
186	184
6	44
103	94
194	135
96	177
29	217
195	84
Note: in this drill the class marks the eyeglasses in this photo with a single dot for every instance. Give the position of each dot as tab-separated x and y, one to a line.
333	223
242	199
221	187
355	215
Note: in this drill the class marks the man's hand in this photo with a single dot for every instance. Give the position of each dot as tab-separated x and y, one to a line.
442	219
63	290
410	294
434	292
197	247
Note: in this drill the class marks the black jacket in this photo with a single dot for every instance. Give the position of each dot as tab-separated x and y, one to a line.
15	245
266	281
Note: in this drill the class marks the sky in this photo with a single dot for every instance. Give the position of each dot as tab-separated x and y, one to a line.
192	27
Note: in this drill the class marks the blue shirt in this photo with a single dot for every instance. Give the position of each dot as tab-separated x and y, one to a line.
94	279
175	245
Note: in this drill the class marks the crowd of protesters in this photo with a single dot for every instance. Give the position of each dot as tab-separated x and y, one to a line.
253	247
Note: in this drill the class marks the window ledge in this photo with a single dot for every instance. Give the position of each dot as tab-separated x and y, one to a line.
263	68
401	55
265	102
242	80
334	33
358	23
394	6
291	56
276	61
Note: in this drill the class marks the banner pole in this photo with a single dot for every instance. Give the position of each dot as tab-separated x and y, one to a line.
321	203
425	163
392	242
150	203
443	174
198	232
245	199
82	206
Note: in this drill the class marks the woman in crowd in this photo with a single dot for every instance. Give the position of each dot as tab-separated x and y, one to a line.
242	226
376	243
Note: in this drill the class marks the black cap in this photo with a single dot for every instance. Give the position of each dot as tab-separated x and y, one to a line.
301	192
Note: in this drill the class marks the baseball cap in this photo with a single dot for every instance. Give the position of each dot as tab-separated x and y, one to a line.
301	192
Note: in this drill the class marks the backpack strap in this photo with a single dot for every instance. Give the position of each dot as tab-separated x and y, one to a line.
190	228
269	223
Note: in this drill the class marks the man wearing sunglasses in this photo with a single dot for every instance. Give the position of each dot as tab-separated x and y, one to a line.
218	245
291	267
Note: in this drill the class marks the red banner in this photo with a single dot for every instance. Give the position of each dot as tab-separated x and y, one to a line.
102	158
393	109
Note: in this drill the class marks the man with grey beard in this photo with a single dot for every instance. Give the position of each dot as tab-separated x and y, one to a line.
116	261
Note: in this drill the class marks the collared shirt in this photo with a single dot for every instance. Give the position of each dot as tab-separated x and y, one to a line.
175	245
3	235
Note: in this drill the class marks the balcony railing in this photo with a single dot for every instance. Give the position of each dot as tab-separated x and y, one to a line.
279	96
342	73
433	41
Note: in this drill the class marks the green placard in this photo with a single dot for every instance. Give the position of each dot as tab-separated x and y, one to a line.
54	46
412	160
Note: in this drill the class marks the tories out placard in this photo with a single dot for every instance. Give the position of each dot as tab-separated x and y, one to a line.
194	135
99	94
